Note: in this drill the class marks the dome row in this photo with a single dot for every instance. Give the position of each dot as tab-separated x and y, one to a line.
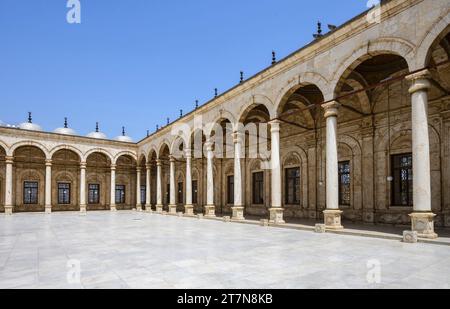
29	125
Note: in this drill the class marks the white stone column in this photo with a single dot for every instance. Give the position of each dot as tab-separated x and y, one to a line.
9	185
148	196
113	189
159	204
276	212
210	209
83	187
138	189
332	214
238	208
48	186
422	216
172	195
188	208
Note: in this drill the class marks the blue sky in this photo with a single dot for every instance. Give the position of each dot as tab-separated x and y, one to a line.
135	63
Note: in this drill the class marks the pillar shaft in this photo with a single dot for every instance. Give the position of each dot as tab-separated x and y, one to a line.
210	209
9	185
83	187
138	190
48	186
148	196
276	212
332	215
422	216
113	189
238	208
188	178
159	204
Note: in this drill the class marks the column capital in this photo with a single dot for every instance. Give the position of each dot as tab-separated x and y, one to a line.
209	146
138	169
48	162
172	159
188	153
275	125
420	81
9	160
113	167
331	109
158	162
148	166
83	165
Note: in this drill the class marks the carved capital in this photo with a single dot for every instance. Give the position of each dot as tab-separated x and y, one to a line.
331	109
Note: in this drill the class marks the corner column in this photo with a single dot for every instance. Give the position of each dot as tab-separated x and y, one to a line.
113	189
422	217
172	202
238	208
188	208
148	196
159	204
276	210
9	186
332	214
138	189
83	187
210	209
48	186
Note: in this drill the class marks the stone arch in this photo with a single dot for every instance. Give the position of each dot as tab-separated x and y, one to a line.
152	152
161	146
15	146
438	30
396	46
66	147
99	150
175	147
125	153
303	79
5	147
256	100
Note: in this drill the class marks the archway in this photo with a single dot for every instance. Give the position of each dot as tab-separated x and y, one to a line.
125	190
98	181
2	178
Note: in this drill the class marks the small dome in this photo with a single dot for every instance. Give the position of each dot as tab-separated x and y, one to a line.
97	134
65	130
124	137
30	125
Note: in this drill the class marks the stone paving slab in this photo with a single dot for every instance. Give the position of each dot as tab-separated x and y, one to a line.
139	250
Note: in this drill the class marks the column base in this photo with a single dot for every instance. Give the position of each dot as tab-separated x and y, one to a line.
139	208
172	209
189	210
83	209
332	218
8	210
276	215
48	209
210	211
159	209
237	213
423	224
148	208
113	208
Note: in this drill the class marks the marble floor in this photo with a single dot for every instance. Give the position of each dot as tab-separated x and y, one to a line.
139	250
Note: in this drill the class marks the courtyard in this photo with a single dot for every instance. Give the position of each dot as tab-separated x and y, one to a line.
141	250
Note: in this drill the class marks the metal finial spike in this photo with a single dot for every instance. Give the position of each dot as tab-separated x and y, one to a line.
123	131
30	119
196	104
168	121
215	92
242	76
96	127
181	113
274	57
65	123
157	127
148	133
319	28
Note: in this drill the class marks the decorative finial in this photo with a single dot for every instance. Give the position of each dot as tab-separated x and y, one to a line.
319	31
96	127
157	127
65	123
148	133
215	92
181	113
242	77
168	120
123	131
274	57
196	104
30	119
